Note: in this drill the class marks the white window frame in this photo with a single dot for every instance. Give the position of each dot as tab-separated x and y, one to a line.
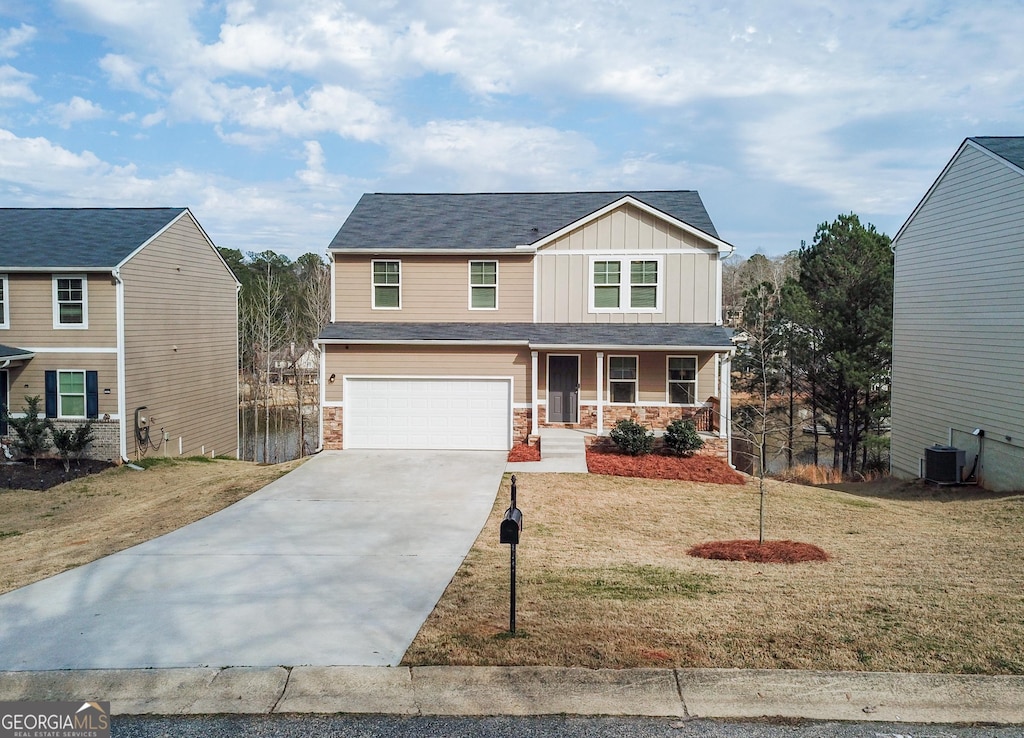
472	286
57	324
60	395
5	302
669	381
635	380
625	285
374	285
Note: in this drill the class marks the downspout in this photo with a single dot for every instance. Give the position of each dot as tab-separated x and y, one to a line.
323	386
122	413
238	378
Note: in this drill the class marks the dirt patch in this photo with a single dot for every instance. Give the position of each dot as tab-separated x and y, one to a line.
769	552
522	452
46	473
696	468
43	533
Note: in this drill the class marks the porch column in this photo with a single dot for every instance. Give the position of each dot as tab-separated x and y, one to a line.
533	394
725	397
600	392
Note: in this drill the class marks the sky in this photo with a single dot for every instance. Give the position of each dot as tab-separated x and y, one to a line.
269	118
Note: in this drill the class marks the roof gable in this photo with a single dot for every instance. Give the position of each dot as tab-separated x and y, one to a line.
1009	148
77	238
494	221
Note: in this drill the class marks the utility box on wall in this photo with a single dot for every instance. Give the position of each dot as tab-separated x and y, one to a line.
944	464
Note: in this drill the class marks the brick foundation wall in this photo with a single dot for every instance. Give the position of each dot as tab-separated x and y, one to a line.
333	428
106	443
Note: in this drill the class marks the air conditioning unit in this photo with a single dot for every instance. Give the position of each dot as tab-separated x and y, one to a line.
944	464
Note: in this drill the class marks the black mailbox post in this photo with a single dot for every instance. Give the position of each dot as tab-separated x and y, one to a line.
511	527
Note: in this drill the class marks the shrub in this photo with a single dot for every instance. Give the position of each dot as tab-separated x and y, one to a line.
71	442
682	438
30	431
632	438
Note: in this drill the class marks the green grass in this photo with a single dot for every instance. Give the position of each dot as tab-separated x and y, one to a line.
9	533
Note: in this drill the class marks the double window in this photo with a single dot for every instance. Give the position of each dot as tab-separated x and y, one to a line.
483	285
626	285
70	301
387	285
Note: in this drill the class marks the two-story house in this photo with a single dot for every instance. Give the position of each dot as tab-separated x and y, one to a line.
126	316
470	321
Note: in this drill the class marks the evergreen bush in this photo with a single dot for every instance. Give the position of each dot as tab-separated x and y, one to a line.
682	438
632	438
30	431
71	442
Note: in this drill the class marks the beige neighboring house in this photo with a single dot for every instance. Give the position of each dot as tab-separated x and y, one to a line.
958	322
470	321
127	316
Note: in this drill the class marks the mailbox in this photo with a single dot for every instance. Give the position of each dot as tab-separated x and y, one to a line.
511	524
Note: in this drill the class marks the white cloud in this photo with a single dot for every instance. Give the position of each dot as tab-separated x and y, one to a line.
15	85
13	38
125	73
75	110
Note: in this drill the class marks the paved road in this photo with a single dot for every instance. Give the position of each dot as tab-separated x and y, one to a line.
379	726
338	562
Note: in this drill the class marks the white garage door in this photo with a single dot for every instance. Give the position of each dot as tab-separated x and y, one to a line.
428	413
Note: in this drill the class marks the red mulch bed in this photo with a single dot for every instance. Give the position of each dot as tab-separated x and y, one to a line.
522	452
696	468
769	552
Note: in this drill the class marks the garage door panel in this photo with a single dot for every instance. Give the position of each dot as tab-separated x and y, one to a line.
428	413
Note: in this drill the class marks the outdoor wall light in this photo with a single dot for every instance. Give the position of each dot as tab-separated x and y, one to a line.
332	378
978	432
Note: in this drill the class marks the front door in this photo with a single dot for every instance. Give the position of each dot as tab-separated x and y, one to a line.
563	389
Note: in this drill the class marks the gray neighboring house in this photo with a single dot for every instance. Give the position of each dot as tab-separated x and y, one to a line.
125	316
472	320
958	320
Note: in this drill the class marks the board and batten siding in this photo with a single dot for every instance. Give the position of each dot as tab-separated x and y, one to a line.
433	289
435	361
958	322
30	318
689	281
181	343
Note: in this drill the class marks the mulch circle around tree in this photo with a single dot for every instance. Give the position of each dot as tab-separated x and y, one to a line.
769	552
47	473
696	468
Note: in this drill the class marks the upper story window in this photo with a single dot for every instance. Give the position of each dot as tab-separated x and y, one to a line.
483	285
625	285
682	380
70	301
387	285
3	301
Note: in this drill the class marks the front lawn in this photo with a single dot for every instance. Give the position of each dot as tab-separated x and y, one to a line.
918	579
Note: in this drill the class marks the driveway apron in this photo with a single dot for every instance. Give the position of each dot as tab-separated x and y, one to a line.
337	563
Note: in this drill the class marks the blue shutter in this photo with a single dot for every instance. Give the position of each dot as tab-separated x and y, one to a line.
92	395
51	393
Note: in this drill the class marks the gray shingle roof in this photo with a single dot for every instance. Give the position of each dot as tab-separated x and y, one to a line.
9	352
534	334
79	238
1010	148
491	220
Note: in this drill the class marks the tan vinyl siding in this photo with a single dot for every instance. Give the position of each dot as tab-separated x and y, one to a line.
652	371
440	361
958	337
181	342
28	380
30	304
689	267
433	288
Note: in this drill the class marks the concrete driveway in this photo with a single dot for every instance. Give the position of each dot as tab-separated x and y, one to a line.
337	563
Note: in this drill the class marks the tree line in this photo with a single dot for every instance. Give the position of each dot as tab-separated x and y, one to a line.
818	330
282	306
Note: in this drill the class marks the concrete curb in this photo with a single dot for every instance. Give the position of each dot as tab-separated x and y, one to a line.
435	690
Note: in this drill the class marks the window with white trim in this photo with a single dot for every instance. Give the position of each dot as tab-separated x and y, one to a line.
622	379
387	285
3	301
625	285
70	301
682	380
70	394
483	285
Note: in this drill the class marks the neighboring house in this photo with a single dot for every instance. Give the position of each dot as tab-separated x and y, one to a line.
958	321
472	320
126	316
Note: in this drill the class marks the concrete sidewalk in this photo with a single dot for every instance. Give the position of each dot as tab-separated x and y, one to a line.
435	690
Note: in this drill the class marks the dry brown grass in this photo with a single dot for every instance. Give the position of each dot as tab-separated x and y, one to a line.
919	580
44	533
